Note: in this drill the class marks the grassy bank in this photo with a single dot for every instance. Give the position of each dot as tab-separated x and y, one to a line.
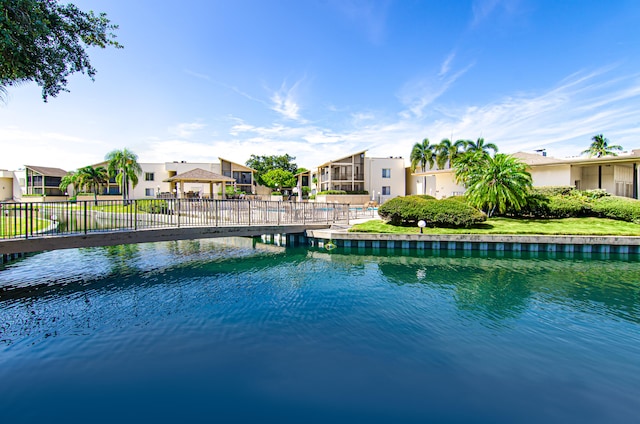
565	226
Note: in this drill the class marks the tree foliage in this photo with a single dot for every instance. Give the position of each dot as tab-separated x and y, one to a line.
123	165
496	183
448	151
45	42
600	147
92	179
264	164
279	178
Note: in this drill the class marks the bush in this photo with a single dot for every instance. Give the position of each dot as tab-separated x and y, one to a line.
620	208
554	190
407	211
554	202
331	192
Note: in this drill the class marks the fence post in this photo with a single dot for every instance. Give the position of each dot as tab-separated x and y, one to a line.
278	206
215	202
249	211
135	214
178	212
85	216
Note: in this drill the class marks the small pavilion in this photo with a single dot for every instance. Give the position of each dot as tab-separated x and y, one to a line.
200	176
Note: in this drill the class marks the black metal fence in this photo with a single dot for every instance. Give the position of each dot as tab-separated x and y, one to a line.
39	219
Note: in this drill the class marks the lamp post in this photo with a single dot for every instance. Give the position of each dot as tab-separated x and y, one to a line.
421	224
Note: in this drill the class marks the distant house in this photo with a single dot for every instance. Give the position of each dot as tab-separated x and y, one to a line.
380	178
43	180
157	179
618	175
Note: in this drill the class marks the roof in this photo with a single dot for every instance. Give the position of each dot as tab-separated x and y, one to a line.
337	161
199	175
532	159
49	172
237	165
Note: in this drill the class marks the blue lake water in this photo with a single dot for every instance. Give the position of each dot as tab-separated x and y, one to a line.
234	331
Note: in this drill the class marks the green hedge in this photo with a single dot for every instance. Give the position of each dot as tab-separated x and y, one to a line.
407	211
567	202
620	208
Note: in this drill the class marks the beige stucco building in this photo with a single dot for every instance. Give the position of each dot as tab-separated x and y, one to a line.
618	175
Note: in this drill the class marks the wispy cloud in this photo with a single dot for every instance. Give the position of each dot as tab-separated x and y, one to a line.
563	118
367	16
418	94
284	101
186	129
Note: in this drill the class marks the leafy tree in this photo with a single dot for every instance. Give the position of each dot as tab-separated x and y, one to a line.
448	151
123	165
480	146
45	42
92	178
279	178
601	147
264	164
422	154
498	183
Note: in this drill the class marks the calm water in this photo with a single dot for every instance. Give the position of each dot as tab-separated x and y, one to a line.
202	331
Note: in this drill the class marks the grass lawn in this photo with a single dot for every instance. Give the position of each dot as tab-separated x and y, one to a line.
566	226
10	227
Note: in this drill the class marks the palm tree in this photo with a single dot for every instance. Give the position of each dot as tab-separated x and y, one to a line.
481	146
423	154
92	178
123	165
601	147
448	151
501	182
71	179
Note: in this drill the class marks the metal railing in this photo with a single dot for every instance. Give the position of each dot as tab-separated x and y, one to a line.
40	219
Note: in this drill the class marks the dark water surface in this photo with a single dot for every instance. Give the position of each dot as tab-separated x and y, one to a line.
204	331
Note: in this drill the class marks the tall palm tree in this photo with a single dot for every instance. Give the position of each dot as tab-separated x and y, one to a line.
422	154
92	178
601	147
481	146
123	165
501	182
448	151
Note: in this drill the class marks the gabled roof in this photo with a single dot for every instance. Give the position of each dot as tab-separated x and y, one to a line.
331	162
237	165
49	172
199	175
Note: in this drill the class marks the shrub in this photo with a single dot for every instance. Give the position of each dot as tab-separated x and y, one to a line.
554	190
332	192
620	208
553	202
407	211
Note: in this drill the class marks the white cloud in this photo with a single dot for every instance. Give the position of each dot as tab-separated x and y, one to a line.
186	129
418	94
284	101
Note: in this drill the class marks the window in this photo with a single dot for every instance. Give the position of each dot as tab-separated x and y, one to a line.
148	192
148	176
386	190
386	172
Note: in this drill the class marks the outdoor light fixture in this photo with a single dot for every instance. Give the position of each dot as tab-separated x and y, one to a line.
421	224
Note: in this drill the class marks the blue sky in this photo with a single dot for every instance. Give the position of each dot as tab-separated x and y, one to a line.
321	79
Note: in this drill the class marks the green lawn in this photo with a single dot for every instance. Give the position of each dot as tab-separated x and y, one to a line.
566	226
10	227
